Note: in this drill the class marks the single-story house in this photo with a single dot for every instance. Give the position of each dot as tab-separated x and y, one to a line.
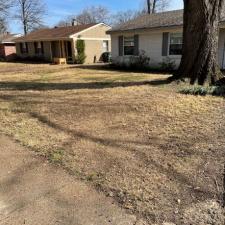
60	43
158	35
8	46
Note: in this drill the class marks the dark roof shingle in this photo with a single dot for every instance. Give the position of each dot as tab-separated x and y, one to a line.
158	20
54	33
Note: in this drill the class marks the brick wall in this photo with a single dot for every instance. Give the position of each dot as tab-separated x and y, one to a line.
8	51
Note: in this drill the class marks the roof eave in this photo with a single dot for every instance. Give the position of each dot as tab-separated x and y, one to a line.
222	25
144	29
43	39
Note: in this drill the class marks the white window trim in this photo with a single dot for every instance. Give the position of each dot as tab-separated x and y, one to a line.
107	45
168	50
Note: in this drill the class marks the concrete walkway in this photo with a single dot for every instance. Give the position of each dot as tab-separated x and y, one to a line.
34	192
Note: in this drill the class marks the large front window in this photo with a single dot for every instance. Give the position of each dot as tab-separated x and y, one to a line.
39	48
128	45
105	46
176	43
24	48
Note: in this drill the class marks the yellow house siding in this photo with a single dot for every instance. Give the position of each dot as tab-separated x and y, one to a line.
92	49
95	32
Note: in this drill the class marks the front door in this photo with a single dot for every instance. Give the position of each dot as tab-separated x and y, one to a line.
69	53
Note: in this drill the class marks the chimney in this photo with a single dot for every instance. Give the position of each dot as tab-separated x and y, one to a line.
75	22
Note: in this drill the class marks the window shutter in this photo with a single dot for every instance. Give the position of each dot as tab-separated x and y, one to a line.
165	43
26	47
35	48
42	47
21	47
120	45
136	44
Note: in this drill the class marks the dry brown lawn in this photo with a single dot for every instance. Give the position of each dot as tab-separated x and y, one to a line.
160	154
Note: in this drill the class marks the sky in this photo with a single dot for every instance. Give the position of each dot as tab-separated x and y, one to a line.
60	9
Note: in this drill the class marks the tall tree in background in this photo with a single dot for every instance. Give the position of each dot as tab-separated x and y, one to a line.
200	41
93	14
3	26
5	6
124	16
154	6
4	10
30	13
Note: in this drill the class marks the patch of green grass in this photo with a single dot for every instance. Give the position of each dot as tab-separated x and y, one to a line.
56	156
199	90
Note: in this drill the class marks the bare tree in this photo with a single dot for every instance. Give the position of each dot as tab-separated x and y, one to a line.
68	21
154	6
200	41
30	13
93	14
64	23
4	7
4	10
3	26
124	16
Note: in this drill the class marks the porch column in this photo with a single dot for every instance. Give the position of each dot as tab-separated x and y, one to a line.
60	49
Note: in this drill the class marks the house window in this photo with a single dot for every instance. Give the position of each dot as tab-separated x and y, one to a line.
105	46
176	43
128	45
24	48
39	48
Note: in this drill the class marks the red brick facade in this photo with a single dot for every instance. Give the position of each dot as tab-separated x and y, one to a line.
7	51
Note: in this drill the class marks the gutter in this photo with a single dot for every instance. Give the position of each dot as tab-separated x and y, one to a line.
222	25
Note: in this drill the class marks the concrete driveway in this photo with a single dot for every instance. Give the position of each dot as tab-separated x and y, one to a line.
36	193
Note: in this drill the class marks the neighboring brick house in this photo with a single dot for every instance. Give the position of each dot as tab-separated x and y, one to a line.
8	46
60	43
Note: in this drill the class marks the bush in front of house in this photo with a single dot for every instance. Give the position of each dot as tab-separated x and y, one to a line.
140	62
199	90
80	57
2	59
106	57
30	59
168	65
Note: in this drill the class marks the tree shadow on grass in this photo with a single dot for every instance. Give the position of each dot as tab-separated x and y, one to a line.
24	86
171	173
109	67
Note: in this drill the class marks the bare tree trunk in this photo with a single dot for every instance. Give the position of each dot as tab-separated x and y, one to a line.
30	13
23	16
154	6
149	6
200	42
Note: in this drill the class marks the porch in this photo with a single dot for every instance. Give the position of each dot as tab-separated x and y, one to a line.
62	51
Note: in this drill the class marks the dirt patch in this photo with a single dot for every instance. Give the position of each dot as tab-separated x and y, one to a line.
33	191
131	135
